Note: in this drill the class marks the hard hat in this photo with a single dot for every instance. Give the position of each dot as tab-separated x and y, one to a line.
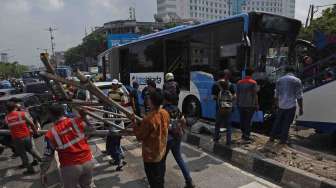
169	76
115	81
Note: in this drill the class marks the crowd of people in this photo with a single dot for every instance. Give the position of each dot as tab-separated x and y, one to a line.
160	131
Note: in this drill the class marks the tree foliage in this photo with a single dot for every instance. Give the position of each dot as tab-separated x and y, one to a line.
325	23
14	69
92	46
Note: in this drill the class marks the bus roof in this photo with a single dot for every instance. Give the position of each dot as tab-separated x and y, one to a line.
185	28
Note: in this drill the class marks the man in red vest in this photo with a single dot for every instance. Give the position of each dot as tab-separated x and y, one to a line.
67	137
17	123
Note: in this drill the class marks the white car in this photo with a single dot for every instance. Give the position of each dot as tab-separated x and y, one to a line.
104	86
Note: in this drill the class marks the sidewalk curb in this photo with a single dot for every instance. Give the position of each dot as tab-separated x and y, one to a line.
265	167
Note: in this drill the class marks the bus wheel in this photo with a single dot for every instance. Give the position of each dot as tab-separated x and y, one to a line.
192	108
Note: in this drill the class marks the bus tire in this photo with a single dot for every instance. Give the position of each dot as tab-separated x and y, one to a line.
191	107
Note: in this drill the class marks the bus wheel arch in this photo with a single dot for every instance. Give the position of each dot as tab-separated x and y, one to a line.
191	107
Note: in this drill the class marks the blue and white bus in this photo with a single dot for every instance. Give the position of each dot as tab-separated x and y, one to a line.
196	53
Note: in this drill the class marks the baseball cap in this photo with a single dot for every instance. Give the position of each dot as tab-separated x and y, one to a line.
115	81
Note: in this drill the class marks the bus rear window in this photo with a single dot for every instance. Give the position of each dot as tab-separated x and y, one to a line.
278	24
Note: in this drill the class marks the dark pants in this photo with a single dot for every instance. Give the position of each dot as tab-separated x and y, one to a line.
7	141
23	146
113	147
246	114
284	119
223	120
155	173
174	145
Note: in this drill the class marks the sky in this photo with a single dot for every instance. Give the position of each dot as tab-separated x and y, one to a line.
23	23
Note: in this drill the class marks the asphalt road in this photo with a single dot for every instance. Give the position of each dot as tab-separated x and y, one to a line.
206	170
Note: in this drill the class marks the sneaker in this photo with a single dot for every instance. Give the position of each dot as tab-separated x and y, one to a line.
113	162
29	172
21	166
34	163
216	140
2	149
121	165
189	184
14	155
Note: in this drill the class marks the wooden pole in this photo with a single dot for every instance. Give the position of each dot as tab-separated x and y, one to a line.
100	95
103	111
50	69
94	133
101	119
62	80
58	80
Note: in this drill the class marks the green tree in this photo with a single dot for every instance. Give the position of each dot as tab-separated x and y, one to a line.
14	69
325	23
92	46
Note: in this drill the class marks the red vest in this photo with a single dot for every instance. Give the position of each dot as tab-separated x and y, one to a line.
67	137
16	122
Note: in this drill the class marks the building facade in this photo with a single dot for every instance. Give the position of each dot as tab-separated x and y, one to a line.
205	10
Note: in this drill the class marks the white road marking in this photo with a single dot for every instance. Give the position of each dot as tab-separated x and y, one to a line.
260	180
253	185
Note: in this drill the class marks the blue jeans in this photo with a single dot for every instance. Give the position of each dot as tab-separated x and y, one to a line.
284	119
175	146
223	120
113	147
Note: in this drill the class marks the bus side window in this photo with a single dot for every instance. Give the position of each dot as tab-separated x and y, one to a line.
177	59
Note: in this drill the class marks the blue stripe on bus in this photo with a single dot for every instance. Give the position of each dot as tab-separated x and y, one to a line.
204	82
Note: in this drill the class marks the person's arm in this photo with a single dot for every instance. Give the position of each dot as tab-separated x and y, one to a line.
276	95
256	97
47	159
31	123
237	95
299	96
141	130
214	91
178	90
132	97
88	128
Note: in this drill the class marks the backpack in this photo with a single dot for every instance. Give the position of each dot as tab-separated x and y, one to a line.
170	87
225	101
177	124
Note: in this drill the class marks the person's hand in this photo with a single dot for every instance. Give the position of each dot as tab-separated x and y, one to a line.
301	111
35	135
133	119
43	179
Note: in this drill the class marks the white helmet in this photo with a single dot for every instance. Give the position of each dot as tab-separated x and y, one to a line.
169	76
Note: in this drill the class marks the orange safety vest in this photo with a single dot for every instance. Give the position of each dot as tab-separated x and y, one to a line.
17	124
67	137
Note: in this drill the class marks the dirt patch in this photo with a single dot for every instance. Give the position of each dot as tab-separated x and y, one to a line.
316	163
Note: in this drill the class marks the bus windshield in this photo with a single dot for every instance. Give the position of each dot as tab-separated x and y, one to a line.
270	53
271	37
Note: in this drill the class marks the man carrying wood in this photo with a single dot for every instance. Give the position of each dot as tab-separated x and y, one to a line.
113	146
17	122
68	137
